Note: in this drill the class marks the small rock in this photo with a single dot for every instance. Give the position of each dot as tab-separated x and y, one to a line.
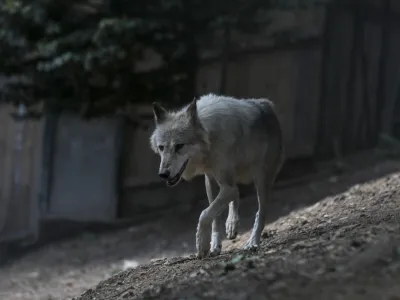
267	234
229	267
299	245
339	198
250	264
203	272
356	243
127	294
237	259
270	276
331	269
279	285
210	294
304	222
129	264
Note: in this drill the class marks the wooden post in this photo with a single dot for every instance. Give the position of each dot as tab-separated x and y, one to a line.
381	90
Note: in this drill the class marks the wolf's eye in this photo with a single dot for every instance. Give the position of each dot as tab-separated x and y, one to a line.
178	147
161	148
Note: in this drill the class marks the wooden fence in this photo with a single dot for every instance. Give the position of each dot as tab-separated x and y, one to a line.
20	165
360	75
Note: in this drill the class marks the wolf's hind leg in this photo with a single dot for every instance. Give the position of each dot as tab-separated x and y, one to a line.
263	182
263	187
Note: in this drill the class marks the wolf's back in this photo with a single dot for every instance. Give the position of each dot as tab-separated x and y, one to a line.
245	117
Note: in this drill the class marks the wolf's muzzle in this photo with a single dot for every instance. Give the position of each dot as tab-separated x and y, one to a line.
175	180
164	175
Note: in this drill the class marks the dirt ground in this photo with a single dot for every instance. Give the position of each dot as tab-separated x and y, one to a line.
333	238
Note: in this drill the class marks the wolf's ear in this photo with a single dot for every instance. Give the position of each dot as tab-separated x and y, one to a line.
159	112
192	110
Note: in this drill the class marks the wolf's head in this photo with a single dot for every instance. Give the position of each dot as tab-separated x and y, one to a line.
180	140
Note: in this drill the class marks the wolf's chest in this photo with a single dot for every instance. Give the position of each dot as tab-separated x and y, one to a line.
192	170
244	175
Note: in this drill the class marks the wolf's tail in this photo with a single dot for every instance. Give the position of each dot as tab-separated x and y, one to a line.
275	155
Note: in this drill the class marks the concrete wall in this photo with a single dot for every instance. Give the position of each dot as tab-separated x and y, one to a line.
20	165
83	183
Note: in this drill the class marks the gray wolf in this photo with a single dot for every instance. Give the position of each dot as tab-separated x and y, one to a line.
230	141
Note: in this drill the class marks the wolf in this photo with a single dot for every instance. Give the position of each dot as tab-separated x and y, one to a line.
230	141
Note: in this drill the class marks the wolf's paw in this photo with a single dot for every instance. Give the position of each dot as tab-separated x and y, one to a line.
215	250
216	244
202	254
231	228
251	245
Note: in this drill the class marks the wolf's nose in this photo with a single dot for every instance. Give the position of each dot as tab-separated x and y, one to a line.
164	175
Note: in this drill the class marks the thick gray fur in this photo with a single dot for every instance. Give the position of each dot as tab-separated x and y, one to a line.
230	141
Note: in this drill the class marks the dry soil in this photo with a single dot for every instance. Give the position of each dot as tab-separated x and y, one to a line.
336	237
318	244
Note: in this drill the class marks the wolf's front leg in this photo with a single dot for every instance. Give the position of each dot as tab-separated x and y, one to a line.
216	232
232	222
216	207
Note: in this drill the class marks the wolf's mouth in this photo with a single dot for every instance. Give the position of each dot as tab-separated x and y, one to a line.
175	180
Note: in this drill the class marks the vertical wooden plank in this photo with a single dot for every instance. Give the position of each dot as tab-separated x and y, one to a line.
394	85
392	79
238	79
334	76
7	197
372	46
383	64
306	99
19	218
3	159
9	165
34	177
208	78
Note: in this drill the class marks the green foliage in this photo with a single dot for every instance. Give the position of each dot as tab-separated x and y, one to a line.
88	56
